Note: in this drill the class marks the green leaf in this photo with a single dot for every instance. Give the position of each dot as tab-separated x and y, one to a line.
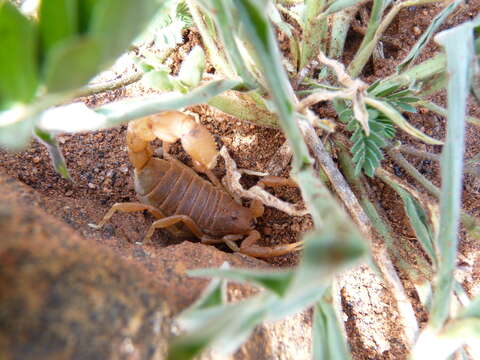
14	135
58	22
369	40
123	111
159	80
183	14
214	295
18	56
303	297
225	327
71	64
399	94
54	151
328	340
397	118
315	31
277	282
341	22
359	156
192	68
472	310
116	23
338	5
418	220
408	99
366	150
324	253
459	46
387	91
404	107
377	139
357	147
370	165
86	8
424	73
226	20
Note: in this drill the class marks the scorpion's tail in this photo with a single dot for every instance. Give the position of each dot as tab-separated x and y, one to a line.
169	126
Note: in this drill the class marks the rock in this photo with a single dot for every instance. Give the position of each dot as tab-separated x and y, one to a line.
63	296
372	323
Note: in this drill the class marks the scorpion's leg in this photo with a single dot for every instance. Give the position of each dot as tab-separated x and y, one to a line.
256	206
274	181
133	207
248	247
172	220
229	240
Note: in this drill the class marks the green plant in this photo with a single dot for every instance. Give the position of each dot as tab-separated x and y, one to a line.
255	82
371	117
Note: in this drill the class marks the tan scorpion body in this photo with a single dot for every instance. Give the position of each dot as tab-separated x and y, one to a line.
174	193
178	190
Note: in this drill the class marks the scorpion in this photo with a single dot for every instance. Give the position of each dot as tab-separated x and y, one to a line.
174	193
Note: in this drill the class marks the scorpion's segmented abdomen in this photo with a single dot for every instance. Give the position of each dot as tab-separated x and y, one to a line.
173	188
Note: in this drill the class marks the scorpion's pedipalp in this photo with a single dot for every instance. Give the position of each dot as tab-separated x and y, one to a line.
196	139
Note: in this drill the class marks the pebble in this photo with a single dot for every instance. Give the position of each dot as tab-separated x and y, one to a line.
36	159
69	193
416	30
91	186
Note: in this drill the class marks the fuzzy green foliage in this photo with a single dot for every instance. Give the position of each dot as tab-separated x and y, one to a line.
366	150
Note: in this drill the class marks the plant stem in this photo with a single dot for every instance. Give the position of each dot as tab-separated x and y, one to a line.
441	111
315	32
362	220
469	221
109	85
470	165
214	50
412	171
415	152
340	25
244	107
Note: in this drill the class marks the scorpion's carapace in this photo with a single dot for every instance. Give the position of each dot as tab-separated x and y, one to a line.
174	193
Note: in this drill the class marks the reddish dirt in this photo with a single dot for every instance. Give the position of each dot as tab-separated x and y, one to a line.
102	175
